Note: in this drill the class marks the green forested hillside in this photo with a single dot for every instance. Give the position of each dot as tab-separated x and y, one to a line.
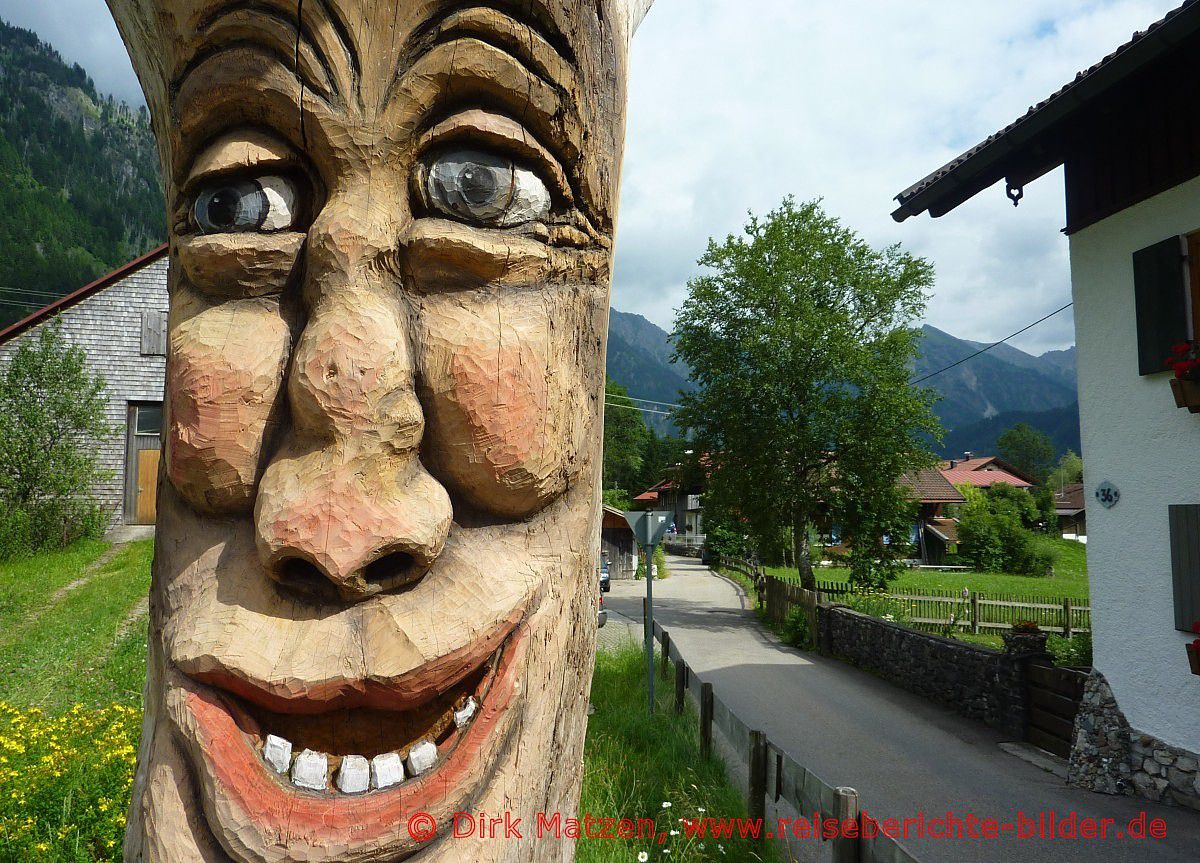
79	187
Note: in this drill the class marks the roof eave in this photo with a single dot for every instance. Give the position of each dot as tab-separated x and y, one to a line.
980	170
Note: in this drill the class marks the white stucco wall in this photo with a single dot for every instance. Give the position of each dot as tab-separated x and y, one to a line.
1134	437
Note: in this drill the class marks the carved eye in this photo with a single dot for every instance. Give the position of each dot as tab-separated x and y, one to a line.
266	204
486	189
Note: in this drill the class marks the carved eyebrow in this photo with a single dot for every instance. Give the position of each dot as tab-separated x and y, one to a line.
323	59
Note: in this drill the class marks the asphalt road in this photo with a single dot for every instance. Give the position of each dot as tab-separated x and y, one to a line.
903	754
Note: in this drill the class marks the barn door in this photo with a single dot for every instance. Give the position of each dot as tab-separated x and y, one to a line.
141	465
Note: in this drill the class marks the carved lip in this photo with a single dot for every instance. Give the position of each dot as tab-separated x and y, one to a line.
405	691
238	789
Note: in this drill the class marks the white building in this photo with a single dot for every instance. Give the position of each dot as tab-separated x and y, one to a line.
1127	131
120	322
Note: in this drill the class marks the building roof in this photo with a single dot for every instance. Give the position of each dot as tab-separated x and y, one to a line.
984	478
945	529
1070	500
929	486
987	462
82	294
1035	144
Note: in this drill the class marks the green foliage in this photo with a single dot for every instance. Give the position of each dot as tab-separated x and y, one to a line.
51	416
799	342
618	498
625	438
796	629
994	530
635	762
81	193
1075	651
1043	499
1069	470
660	562
877	603
1027	449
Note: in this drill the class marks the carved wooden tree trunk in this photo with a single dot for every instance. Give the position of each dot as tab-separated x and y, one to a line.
391	228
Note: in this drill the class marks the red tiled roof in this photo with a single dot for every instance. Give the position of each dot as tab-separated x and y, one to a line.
984	478
988	462
929	486
81	294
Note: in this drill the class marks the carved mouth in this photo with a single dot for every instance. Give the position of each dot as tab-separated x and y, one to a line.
353	773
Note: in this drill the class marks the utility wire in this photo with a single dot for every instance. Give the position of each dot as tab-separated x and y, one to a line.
994	344
636	408
649	401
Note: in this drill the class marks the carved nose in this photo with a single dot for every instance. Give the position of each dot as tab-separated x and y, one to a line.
345	508
333	525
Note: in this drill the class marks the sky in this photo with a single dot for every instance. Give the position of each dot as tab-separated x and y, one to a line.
736	103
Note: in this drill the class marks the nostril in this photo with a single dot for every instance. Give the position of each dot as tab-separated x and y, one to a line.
391	571
306	578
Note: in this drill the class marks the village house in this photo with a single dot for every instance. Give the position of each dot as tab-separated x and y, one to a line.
1127	131
936	532
120	322
985	472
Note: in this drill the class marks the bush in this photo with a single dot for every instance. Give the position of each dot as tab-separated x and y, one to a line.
52	416
1075	651
796	630
994	530
66	783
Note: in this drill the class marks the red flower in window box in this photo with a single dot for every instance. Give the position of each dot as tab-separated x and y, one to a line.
1193	650
1185	386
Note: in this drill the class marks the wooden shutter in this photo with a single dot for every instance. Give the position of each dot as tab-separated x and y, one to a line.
1185	564
1160	287
154	333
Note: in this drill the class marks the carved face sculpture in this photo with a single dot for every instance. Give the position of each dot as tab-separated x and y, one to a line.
391	229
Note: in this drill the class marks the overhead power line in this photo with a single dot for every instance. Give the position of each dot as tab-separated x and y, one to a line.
636	408
649	401
984	350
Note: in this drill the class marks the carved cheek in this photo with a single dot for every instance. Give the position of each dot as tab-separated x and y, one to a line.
223	382
496	439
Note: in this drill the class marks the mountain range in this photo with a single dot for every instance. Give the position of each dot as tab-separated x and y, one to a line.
979	398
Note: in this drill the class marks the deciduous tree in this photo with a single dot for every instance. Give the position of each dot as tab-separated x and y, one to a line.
799	338
1027	449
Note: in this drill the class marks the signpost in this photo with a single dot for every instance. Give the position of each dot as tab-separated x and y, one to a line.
648	528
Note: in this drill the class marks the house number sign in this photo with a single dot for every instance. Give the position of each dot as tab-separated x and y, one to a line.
1108	494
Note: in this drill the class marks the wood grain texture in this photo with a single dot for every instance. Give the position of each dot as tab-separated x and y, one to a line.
391	254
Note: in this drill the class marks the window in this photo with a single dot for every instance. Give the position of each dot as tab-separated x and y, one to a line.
1160	287
147	420
1185	564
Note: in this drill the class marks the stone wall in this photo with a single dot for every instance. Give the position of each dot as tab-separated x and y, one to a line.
1110	757
974	681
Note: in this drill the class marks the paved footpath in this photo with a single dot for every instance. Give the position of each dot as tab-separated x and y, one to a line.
903	754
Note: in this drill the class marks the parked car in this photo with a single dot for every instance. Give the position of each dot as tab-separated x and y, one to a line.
602	614
605	583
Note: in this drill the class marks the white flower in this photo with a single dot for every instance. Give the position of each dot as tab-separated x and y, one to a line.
721	848
674	832
701	809
666	804
701	846
643	857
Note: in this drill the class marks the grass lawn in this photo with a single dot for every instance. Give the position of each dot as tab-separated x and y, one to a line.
1069	579
72	665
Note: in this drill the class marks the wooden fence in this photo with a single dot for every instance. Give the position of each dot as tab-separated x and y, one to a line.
773	775
975	611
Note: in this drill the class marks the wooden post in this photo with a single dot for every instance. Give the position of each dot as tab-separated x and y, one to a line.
974	612
757	807
1067	617
666	651
706	720
681	672
846	850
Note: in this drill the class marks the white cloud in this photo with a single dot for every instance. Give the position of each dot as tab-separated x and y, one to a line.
735	103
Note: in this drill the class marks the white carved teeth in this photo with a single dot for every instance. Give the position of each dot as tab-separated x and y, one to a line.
387	770
310	770
463	716
354	776
421	758
277	752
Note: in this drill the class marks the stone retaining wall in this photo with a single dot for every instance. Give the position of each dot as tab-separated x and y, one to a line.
974	681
